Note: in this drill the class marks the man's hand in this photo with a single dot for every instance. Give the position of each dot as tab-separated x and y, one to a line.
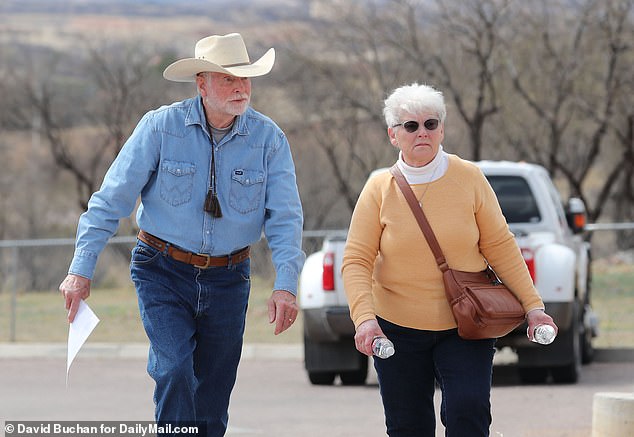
282	310
74	288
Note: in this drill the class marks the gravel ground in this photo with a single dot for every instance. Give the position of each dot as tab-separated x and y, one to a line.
274	398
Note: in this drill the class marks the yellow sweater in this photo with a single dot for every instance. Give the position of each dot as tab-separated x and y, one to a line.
388	269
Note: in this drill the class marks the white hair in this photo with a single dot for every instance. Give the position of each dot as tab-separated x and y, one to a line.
413	99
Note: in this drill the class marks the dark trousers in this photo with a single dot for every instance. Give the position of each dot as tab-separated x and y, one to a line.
462	368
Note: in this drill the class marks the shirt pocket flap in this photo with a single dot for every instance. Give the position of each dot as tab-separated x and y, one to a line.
247	177
178	168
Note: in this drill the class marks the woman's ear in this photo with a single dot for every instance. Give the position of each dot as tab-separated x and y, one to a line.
392	134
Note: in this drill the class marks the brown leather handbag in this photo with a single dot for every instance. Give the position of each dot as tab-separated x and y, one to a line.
481	304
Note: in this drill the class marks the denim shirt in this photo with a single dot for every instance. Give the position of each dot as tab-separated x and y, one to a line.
167	162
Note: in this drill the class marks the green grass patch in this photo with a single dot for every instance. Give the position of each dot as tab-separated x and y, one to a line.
613	301
41	317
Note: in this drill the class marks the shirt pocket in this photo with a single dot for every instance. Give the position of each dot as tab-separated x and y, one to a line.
177	181
246	190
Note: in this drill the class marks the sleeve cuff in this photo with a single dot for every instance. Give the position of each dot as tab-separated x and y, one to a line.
83	264
535	309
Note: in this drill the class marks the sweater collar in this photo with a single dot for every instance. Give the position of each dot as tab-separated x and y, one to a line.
430	172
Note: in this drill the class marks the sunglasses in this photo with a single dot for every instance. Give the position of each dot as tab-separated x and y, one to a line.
412	126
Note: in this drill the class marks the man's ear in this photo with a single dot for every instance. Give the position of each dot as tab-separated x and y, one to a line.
201	84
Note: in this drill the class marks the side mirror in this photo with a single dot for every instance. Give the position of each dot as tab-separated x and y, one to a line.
576	215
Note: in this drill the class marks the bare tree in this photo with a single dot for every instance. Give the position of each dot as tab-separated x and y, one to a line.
621	32
579	79
341	93
457	47
86	113
372	48
529	80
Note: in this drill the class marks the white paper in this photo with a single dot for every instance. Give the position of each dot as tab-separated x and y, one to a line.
79	330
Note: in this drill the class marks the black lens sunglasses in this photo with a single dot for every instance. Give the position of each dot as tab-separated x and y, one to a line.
412	126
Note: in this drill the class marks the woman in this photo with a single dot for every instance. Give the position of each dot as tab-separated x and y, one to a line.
395	288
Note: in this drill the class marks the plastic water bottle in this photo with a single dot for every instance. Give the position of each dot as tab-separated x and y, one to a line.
544	334
382	347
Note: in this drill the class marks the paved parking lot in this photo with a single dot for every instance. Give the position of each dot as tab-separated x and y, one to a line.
273	396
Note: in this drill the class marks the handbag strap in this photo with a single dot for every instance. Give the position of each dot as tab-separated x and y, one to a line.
420	217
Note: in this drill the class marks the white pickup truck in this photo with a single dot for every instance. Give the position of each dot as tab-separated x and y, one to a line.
558	258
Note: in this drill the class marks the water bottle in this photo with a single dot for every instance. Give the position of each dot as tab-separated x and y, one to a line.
382	347
544	334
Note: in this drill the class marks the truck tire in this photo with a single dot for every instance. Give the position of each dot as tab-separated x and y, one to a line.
533	375
569	373
587	350
325	360
356	377
321	378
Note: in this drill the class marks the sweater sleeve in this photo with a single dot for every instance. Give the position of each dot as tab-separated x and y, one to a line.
360	253
500	249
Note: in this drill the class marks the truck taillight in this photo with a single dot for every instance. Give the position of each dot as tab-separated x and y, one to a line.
328	274
579	221
529	258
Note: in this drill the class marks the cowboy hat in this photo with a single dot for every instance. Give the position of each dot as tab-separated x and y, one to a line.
222	54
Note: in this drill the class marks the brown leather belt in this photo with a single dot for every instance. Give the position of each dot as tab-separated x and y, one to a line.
200	260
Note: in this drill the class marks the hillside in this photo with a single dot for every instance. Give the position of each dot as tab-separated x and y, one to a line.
159	8
169	24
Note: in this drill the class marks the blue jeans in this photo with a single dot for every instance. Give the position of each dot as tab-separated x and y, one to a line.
462	368
195	322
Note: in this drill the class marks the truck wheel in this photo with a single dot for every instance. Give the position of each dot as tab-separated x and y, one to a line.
533	375
356	377
587	350
569	373
321	378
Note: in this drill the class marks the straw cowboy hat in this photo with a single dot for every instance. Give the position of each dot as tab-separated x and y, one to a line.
222	54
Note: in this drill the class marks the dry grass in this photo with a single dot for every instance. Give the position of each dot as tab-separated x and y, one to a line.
613	301
42	317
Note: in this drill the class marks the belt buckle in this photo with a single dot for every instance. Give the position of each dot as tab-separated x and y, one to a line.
207	263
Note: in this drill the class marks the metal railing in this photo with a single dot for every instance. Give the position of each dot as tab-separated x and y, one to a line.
42	274
36	272
609	226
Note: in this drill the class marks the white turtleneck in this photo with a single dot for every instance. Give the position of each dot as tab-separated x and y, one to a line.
429	172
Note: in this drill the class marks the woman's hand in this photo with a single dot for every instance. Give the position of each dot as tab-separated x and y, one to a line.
366	333
538	317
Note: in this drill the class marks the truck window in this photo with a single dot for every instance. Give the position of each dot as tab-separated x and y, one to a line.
515	198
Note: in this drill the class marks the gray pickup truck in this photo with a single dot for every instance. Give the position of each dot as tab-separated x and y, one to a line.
549	236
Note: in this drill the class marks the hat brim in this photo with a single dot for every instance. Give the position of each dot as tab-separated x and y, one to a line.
185	70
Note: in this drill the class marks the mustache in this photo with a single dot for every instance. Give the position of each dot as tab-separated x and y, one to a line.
241	96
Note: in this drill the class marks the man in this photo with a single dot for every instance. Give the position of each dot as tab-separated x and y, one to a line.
212	174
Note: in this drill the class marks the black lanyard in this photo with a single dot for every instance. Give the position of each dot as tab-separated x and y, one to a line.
212	205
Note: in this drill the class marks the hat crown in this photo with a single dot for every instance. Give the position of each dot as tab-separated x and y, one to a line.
221	54
224	50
